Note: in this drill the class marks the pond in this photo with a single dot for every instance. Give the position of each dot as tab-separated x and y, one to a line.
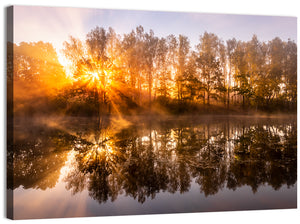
78	166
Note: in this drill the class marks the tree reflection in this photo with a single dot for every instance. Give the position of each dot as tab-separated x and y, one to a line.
265	154
142	160
39	154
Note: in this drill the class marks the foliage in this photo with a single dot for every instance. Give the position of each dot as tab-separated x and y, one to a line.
109	73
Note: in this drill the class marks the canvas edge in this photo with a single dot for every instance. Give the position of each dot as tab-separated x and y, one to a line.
8	93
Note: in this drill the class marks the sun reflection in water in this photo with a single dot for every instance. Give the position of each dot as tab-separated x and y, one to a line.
69	165
98	152
87	155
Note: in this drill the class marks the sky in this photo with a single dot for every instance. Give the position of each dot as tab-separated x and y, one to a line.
56	24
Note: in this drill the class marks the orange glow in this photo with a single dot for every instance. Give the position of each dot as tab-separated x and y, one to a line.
67	64
94	76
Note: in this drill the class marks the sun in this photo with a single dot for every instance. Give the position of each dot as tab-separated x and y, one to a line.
94	76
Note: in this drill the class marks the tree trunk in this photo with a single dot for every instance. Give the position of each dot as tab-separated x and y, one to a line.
150	88
228	88
208	95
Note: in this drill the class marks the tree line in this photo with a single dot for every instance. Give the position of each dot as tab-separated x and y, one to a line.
141	71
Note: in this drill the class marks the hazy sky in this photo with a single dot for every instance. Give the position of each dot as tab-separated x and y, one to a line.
53	24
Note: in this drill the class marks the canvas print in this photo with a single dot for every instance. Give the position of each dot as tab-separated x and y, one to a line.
124	112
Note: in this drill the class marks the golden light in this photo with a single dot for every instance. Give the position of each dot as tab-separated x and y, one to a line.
95	154
69	165
67	64
94	76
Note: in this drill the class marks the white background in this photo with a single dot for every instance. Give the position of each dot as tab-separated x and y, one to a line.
253	7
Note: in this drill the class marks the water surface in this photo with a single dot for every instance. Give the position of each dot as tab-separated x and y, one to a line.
72	167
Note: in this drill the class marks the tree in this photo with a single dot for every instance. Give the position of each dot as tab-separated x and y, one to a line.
183	51
172	58
209	64
256	53
37	63
222	86
241	75
150	43
290	73
190	82
37	76
92	64
132	49
267	76
230	47
163	75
